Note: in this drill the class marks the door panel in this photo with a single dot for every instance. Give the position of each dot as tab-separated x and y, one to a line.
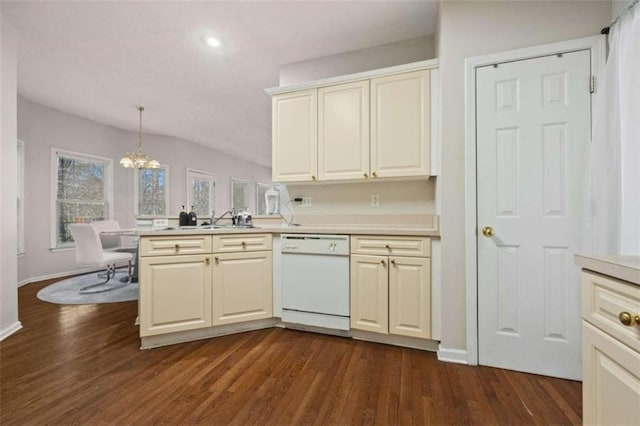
400	125
295	136
370	293
533	136
343	131
410	296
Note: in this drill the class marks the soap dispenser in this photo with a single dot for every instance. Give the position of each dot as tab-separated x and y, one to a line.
193	220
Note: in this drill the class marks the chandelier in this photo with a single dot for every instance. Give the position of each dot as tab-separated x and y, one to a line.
139	159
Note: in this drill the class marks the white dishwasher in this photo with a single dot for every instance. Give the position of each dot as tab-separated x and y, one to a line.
315	280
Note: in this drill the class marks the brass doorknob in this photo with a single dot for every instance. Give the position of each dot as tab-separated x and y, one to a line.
629	320
488	231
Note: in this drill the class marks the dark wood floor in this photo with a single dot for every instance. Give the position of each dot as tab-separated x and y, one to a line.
81	365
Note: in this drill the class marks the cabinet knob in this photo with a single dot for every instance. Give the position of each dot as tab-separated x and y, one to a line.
244	245
629	320
177	247
393	262
387	246
217	260
374	174
206	260
313	177
383	263
366	175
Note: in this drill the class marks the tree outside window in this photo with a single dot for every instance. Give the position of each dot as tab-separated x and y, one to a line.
239	194
201	190
152	191
82	192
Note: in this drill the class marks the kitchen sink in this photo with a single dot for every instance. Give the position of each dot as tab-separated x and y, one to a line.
195	228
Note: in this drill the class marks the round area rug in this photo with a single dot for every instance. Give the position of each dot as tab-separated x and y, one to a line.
66	292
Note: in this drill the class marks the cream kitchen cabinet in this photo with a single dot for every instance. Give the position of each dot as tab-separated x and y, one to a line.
611	350
391	294
242	287
175	293
295	136
374	126
400	125
343	131
231	283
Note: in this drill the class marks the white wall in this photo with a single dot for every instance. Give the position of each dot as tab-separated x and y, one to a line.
8	176
396	197
618	6
42	128
386	55
469	29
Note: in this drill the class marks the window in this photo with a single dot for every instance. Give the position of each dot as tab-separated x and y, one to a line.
152	191
81	192
261	200
239	194
201	190
20	203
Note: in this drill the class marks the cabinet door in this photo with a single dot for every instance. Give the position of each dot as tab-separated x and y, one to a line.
295	136
175	293
410	296
610	380
370	293
400	125
242	287
343	131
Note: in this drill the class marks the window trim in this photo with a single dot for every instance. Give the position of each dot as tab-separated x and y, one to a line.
136	192
20	196
53	192
191	173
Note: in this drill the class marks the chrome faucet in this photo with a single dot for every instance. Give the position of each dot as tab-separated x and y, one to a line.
223	215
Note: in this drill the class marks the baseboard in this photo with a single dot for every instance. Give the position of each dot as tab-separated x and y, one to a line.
456	356
10	330
59	275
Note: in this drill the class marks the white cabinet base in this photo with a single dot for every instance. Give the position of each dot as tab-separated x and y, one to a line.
151	342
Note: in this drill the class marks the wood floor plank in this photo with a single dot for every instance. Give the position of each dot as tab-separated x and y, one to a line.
82	365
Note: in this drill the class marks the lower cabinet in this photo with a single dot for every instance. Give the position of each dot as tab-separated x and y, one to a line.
175	294
179	292
242	287
611	380
391	295
610	351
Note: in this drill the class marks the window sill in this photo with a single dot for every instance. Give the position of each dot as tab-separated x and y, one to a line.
61	249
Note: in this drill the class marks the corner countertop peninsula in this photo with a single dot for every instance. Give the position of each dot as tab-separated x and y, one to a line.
622	267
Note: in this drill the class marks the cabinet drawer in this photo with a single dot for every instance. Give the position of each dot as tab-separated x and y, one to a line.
241	242
603	299
175	245
396	246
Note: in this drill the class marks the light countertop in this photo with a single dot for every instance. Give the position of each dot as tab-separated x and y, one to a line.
623	267
409	230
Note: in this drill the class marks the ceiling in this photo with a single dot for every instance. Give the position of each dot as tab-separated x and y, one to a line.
100	59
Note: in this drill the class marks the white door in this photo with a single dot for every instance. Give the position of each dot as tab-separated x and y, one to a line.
533	136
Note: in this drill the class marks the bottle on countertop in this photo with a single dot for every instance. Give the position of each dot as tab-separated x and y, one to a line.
183	218
193	219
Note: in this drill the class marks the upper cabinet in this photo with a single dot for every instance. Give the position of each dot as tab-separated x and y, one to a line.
400	125
343	131
374	125
295	136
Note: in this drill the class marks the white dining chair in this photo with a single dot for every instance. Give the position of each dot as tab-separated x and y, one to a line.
89	253
113	242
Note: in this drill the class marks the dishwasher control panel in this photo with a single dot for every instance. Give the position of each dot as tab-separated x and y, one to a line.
337	245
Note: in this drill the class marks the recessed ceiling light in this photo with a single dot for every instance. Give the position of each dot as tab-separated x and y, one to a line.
211	41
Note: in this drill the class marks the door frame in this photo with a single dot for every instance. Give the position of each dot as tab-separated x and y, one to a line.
597	46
